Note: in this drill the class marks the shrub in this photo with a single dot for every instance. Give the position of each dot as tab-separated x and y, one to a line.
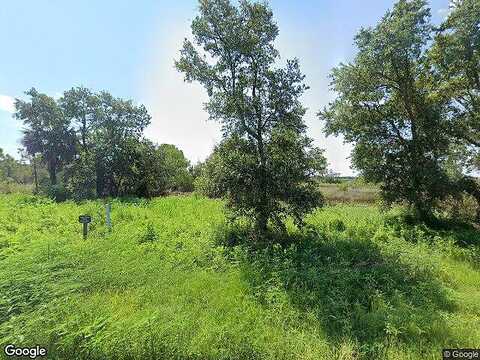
56	192
149	236
461	208
207	183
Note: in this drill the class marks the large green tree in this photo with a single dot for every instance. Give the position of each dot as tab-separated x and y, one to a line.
116	132
110	148
455	56
176	167
385	109
150	177
233	57
47	131
455	60
81	106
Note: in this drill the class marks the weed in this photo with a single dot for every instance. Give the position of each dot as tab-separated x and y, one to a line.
353	284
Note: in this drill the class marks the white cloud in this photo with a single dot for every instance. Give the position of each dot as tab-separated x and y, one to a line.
445	12
7	103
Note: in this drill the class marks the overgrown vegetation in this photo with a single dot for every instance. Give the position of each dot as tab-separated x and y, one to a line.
355	284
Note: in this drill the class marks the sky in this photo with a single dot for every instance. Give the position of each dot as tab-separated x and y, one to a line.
128	48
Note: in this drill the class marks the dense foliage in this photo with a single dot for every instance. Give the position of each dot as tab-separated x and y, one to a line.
96	141
266	160
455	56
46	131
19	175
12	170
401	129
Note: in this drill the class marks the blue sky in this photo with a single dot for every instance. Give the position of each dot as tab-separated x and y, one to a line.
128	48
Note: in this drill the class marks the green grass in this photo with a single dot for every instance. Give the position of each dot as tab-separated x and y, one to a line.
356	284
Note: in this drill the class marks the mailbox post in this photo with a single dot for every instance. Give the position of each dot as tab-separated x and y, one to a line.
85	220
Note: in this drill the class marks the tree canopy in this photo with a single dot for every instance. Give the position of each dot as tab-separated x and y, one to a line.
46	131
266	158
387	109
455	58
96	142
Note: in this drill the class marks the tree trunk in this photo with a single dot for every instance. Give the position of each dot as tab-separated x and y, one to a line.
52	170
84	133
262	218
423	213
261	224
35	175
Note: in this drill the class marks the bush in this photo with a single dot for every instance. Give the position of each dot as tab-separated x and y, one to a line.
462	208
176	168
80	178
149	236
56	192
207	182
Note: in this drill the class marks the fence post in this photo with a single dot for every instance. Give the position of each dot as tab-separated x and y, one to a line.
108	209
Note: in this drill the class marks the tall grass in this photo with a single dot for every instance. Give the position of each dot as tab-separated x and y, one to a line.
355	284
350	192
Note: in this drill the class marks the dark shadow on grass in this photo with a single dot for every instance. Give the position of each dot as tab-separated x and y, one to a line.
464	234
353	288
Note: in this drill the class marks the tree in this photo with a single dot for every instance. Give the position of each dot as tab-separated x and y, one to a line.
208	174
97	141
455	57
176	168
80	177
13	170
46	131
258	106
109	134
116	132
151	179
80	105
385	109
7	166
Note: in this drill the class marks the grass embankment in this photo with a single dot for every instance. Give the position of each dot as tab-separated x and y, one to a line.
356	285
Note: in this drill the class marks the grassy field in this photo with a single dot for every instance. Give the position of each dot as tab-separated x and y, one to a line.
355	284
349	192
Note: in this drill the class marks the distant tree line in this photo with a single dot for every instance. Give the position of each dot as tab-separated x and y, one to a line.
92	145
17	175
